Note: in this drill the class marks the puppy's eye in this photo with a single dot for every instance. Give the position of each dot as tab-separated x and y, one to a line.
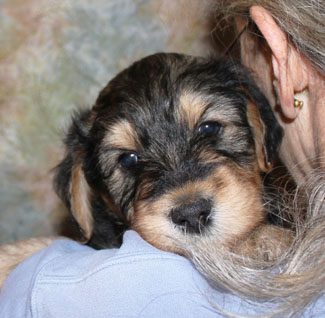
128	160
209	128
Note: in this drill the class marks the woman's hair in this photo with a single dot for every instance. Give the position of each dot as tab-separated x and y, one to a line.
292	282
302	20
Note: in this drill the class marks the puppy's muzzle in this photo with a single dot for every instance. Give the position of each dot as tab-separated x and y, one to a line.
192	217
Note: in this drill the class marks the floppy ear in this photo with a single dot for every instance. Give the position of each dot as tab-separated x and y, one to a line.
266	130
258	129
70	182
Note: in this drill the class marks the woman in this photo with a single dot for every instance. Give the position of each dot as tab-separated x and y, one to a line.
283	43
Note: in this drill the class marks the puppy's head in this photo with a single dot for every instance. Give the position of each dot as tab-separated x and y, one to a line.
174	148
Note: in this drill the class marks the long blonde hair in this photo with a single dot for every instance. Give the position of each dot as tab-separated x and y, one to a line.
291	282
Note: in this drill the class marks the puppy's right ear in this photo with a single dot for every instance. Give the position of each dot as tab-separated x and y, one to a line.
70	182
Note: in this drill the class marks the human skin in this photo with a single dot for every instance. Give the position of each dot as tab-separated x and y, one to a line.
285	74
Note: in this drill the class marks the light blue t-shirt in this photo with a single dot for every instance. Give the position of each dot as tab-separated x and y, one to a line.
70	280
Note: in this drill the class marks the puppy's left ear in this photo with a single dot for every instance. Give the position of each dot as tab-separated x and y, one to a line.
266	130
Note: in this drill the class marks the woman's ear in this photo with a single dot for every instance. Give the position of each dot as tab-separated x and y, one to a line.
288	65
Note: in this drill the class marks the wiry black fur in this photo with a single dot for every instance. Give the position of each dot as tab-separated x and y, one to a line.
146	94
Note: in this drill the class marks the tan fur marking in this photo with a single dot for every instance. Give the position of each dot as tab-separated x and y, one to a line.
122	135
258	128
209	156
80	205
191	107
239	202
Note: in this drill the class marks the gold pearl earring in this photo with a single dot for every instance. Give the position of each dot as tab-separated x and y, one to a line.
298	103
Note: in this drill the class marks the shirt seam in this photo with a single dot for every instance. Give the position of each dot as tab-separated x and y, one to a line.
69	279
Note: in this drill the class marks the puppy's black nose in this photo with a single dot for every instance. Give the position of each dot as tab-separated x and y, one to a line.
194	216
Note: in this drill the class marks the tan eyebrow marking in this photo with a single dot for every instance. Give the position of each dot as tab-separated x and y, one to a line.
191	107
122	135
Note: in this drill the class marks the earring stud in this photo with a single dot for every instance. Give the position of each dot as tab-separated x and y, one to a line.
298	103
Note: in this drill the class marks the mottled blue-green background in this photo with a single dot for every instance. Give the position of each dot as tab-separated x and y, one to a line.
55	55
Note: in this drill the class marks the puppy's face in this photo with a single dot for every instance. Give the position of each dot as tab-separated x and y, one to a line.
174	147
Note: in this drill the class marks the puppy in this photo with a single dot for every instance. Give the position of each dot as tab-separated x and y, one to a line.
173	148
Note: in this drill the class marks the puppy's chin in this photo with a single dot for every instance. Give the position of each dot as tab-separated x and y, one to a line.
160	232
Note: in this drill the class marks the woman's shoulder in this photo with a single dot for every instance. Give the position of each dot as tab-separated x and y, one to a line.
68	277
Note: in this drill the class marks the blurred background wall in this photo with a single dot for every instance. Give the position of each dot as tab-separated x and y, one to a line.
55	56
